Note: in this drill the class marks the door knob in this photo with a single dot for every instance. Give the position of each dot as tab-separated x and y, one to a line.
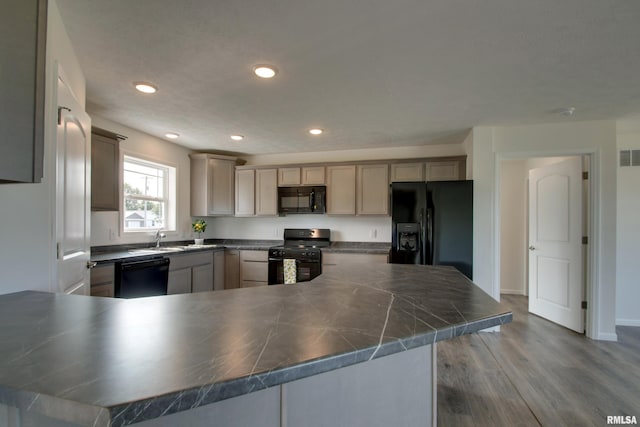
532	248
91	264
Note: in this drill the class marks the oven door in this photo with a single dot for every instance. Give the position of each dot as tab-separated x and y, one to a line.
305	270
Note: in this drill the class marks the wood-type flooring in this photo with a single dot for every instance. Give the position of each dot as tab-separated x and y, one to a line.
534	373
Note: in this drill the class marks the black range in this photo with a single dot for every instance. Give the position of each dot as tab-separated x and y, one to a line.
302	245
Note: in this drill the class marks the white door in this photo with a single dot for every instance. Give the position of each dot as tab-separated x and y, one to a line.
555	243
73	193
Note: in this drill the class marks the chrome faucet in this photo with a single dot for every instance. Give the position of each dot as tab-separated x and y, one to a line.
159	235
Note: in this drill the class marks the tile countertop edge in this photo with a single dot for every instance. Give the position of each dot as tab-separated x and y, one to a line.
207	394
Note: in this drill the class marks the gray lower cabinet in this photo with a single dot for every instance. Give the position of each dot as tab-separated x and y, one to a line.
254	269
218	271
231	268
102	281
190	272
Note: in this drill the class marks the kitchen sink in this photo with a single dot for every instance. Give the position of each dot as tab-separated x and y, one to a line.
164	249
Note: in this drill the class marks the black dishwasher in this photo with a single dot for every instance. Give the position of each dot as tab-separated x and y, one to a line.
146	278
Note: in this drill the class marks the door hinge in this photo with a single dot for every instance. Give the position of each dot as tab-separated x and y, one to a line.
585	175
585	240
584	305
58	250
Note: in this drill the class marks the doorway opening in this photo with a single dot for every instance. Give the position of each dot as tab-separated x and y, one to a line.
544	228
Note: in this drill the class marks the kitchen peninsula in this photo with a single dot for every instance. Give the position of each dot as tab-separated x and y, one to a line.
347	348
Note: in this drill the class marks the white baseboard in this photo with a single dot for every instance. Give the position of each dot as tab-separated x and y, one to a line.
512	291
606	336
627	322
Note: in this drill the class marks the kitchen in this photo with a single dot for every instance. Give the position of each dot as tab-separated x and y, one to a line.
28	214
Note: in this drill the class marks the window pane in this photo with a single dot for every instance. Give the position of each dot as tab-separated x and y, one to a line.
149	195
141	214
144	180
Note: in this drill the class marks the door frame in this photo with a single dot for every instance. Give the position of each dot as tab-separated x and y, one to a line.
593	248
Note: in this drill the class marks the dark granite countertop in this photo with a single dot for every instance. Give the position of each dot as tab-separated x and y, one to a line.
359	247
99	360
110	254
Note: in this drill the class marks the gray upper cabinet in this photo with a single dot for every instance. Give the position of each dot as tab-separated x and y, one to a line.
212	184
451	170
341	190
105	170
372	195
23	28
407	172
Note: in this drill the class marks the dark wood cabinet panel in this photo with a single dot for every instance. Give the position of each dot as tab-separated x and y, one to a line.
105	170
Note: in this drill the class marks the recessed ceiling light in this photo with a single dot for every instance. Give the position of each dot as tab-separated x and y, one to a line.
315	131
265	71
172	135
145	87
237	137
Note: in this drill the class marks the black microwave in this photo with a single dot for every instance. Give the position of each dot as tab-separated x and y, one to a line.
302	200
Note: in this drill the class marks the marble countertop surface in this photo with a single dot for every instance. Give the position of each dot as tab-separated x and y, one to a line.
101	361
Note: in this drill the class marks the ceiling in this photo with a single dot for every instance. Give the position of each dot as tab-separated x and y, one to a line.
371	73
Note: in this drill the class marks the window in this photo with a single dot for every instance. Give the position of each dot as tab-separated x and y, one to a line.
149	195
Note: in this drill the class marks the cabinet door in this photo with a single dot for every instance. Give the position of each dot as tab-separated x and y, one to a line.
407	172
341	190
373	190
313	175
202	278
179	281
288	176
102	281
231	269
218	270
443	171
105	172
220	188
245	189
266	192
254	268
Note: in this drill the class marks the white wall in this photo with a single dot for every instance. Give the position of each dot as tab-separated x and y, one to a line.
346	228
27	242
628	229
105	226
492	144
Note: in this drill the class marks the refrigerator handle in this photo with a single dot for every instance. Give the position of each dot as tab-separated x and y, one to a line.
430	256
422	242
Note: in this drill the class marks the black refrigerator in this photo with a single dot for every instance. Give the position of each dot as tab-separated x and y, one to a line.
432	223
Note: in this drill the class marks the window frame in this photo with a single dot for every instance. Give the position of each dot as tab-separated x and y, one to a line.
169	184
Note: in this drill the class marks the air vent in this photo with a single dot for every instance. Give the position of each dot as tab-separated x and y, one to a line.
630	158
